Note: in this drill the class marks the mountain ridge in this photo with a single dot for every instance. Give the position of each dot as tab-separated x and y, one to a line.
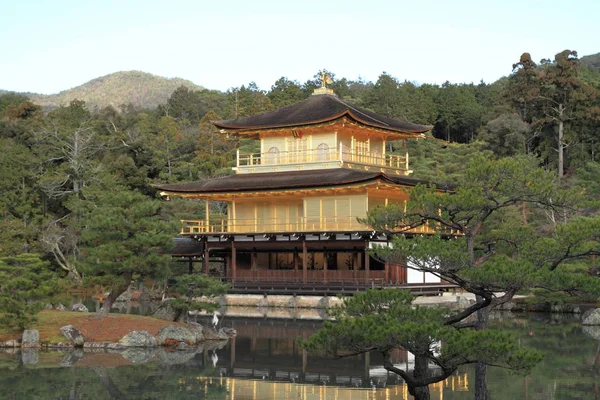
142	89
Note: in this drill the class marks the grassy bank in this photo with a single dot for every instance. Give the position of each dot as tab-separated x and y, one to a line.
110	328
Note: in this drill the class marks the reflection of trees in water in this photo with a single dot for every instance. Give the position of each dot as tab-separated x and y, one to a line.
570	370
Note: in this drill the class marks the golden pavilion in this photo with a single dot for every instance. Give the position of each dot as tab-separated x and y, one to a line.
293	209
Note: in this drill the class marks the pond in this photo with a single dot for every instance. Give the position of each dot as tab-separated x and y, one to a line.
264	362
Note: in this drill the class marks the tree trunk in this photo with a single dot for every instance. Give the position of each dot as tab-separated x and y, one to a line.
421	371
561	147
114	294
481	391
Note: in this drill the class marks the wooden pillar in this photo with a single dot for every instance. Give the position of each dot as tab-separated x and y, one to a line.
367	267
355	265
304	261
233	261
325	266
207	216
205	259
232	353
296	260
387	273
253	263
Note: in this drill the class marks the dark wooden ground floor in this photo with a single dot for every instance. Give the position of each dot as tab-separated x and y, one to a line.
298	266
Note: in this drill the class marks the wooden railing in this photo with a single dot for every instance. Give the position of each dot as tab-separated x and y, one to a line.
223	225
323	155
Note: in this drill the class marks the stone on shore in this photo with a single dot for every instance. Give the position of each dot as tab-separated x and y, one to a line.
73	335
60	307
30	339
166	311
211	334
138	339
138	355
171	336
591	317
79	307
197	330
29	356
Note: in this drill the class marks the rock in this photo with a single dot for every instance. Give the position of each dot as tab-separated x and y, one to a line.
172	335
462	302
211	334
60	307
166	357
138	355
166	311
48	307
11	343
79	307
230	332
30	339
214	344
138	339
29	357
197	330
591	317
102	346
323	303
264	302
592	331
71	358
182	346
73	335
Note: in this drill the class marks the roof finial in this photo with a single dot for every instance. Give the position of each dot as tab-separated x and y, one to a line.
325	79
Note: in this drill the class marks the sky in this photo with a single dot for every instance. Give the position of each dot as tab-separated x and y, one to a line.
51	45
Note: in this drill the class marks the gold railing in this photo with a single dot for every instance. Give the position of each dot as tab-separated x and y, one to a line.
274	225
323	155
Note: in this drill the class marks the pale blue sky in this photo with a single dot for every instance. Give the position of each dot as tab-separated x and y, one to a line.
47	46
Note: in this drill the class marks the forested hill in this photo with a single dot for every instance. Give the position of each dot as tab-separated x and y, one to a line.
592	61
141	89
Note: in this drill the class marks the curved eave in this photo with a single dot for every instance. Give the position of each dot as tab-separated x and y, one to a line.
241	129
232	188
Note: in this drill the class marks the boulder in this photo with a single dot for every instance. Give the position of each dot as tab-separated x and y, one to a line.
592	331
79	307
29	356
230	332
166	311
138	339
14	343
182	346
211	334
60	307
71	358
102	347
171	336
591	317
138	355
167	357
73	335
30	338
197	330
48	307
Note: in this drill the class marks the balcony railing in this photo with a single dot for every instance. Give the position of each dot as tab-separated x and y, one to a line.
274	225
323	155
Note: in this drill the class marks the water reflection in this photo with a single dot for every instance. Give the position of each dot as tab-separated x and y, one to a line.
265	362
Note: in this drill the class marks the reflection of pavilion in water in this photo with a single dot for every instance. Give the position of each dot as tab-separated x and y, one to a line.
265	354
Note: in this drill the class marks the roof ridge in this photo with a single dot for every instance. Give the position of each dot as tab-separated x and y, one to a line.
360	112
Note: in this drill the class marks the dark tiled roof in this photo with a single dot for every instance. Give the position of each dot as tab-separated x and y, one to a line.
187	247
288	180
318	109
